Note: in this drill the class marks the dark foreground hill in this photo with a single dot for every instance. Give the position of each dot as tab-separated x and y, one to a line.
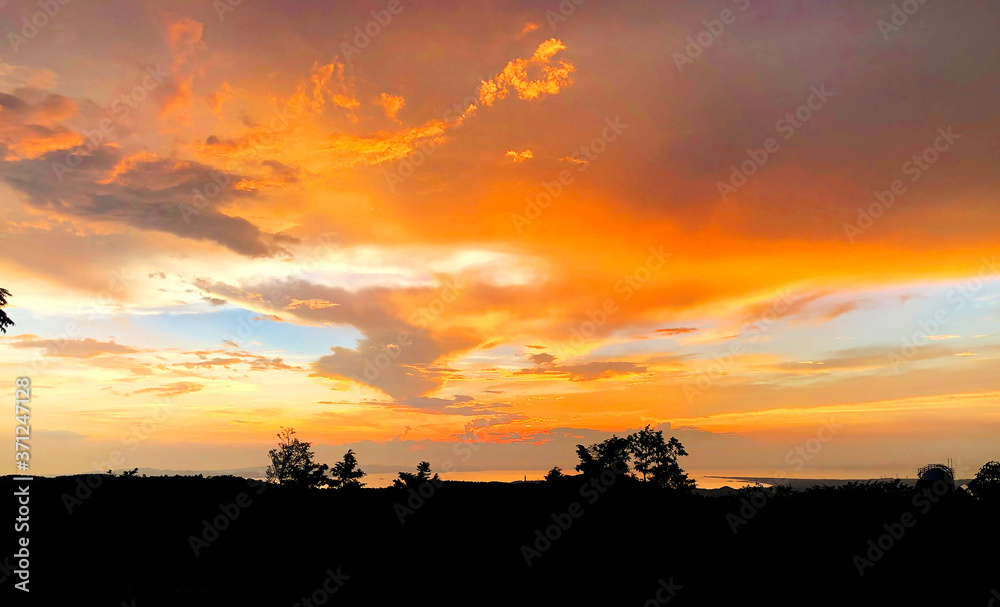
189	541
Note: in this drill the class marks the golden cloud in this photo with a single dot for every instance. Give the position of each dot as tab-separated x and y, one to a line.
515	75
520	156
325	83
392	104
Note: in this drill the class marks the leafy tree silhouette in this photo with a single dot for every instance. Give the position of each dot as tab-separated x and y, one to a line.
652	457
555	474
293	463
346	474
5	320
423	475
589	464
986	485
603	456
645	447
656	459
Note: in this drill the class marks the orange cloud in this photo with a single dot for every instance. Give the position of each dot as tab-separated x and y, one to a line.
252	185
18	76
515	75
73	348
676	330
184	38
32	142
350	150
127	165
392	104
332	84
520	156
217	98
325	83
29	124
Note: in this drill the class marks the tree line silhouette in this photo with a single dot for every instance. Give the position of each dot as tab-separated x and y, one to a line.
645	457
293	463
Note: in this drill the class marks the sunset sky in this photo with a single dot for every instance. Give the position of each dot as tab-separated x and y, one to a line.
525	226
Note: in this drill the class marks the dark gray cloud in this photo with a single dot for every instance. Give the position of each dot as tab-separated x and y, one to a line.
398	354
98	182
542	358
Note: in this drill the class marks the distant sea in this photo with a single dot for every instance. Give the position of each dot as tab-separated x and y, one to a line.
705	479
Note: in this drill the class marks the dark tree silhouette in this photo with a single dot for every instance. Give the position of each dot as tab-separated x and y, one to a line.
986	485
5	320
645	445
656	459
653	458
346	474
589	465
293	463
423	475
603	456
554	474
